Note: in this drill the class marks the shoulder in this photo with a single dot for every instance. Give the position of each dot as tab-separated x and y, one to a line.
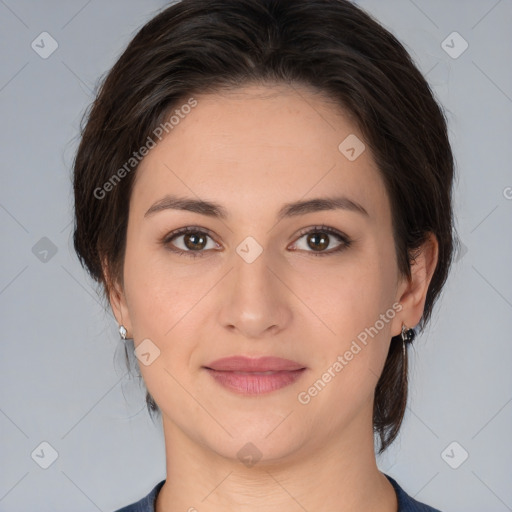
145	504
406	503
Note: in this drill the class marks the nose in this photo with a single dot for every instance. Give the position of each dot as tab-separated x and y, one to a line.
255	302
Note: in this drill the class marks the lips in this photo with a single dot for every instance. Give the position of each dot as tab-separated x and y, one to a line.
253	365
254	376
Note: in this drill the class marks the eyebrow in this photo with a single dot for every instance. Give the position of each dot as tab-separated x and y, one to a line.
212	209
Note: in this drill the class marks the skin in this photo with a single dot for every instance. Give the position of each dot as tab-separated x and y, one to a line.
252	150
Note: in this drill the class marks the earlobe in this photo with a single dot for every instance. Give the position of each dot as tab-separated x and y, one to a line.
117	299
117	303
414	291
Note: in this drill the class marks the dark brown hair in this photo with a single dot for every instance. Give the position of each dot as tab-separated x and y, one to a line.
329	46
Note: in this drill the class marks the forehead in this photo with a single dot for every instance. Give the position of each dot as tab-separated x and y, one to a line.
261	145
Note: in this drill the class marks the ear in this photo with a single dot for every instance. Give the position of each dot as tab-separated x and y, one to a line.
412	292
117	299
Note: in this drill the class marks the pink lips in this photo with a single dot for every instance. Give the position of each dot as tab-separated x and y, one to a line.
247	375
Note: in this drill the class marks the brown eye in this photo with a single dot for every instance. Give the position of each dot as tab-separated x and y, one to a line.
194	241
319	238
318	241
189	242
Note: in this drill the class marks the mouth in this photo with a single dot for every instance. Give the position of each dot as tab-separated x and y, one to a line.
254	376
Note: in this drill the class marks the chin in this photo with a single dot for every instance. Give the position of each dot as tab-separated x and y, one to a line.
250	452
263	440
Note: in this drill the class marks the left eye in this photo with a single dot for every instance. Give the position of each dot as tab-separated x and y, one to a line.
319	238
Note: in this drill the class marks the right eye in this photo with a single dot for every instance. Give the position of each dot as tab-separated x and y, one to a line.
194	241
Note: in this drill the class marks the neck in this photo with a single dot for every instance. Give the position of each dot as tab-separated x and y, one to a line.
339	475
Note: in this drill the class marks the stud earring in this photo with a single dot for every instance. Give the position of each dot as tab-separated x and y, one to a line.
122	332
408	335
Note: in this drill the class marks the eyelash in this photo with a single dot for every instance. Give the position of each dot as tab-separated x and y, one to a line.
345	240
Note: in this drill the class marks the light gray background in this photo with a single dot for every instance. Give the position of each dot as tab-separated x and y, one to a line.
62	379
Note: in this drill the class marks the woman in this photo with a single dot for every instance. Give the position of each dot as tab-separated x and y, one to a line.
263	188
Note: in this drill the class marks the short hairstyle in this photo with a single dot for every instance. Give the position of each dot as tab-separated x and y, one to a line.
329	46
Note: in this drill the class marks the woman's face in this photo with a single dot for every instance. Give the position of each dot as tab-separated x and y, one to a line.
319	287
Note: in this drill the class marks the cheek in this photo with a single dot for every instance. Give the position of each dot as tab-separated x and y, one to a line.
163	308
347	364
172	303
158	292
348	295
355	303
